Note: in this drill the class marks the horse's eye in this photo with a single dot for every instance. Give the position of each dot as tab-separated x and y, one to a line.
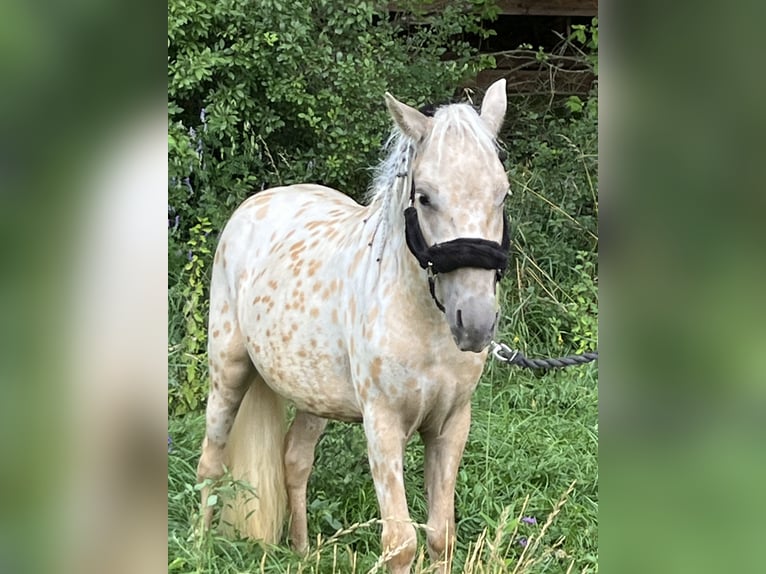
424	200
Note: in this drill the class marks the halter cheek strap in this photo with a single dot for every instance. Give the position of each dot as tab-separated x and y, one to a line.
454	254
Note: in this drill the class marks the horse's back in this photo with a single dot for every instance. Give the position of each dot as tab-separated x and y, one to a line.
265	226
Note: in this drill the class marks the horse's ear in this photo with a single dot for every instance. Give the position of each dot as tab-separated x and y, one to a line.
494	105
410	121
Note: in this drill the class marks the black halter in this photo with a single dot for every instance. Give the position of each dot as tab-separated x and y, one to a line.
454	254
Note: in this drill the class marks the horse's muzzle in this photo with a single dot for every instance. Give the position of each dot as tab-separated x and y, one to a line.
474	324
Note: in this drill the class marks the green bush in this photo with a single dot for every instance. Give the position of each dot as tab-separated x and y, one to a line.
274	92
551	303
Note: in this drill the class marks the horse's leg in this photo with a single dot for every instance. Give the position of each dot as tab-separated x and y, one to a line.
386	441
231	373
444	449
299	459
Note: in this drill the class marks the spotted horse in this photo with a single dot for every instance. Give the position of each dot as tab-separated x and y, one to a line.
378	313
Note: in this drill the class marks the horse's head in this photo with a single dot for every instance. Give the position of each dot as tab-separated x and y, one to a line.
455	224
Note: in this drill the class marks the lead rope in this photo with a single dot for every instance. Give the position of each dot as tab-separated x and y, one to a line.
505	354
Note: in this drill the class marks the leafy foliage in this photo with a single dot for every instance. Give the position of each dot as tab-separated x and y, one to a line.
188	395
551	299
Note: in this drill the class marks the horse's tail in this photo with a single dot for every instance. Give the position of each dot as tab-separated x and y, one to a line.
255	455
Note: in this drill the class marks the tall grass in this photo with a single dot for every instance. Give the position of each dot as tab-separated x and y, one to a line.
531	453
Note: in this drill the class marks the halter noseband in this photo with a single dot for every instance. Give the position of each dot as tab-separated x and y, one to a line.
454	254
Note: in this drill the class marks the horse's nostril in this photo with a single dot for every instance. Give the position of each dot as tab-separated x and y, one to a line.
460	319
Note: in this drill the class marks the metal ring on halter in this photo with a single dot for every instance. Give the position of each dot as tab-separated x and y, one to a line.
498	347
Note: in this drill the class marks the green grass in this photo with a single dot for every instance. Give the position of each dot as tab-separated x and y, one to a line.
531	437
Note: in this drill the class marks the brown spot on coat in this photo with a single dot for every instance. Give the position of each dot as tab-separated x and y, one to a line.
261	213
314	312
375	368
352	309
216	333
227	327
364	390
314	264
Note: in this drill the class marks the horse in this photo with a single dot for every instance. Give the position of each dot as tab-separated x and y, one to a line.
379	313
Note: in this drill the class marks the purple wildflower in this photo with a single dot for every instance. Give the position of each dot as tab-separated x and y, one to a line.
189	255
529	519
523	541
170	444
